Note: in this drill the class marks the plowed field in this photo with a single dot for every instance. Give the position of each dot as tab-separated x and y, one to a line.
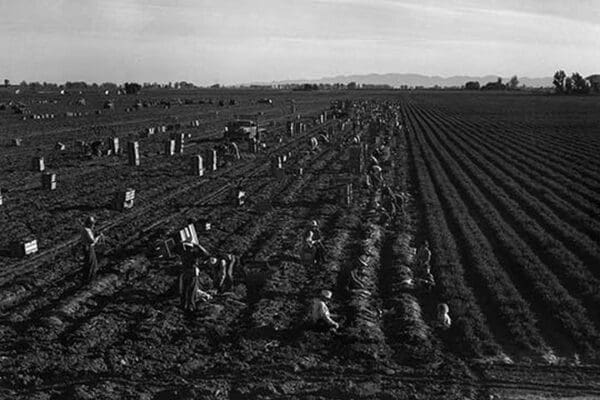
505	187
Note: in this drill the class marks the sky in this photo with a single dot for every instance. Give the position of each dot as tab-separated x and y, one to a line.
232	42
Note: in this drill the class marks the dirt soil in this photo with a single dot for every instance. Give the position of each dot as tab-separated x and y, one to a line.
125	336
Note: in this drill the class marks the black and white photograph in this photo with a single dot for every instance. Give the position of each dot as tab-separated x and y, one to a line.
299	199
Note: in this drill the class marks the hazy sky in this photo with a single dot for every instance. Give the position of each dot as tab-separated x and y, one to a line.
229	41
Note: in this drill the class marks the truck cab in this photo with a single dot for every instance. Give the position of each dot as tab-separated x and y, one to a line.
241	129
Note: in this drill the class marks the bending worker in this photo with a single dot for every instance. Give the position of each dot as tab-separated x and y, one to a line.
320	316
222	268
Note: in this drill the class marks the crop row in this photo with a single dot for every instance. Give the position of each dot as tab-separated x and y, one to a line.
532	274
567	144
471	335
513	181
493	285
555	171
576	211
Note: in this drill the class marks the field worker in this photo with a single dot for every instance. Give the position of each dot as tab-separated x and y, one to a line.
308	250
407	281
317	239
376	175
314	143
319	315
89	241
189	285
424	256
222	268
444	320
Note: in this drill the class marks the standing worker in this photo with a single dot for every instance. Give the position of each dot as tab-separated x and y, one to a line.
320	316
188	279
89	241
308	251
376	177
317	240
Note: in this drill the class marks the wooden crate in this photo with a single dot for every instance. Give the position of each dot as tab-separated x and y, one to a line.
49	181
23	248
179	142
211	160
124	199
197	166
345	195
37	164
189	234
170	147
113	144
133	153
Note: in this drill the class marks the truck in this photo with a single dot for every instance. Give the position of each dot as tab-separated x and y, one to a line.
243	129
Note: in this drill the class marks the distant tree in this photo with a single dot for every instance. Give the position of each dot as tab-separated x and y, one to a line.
352	86
498	85
559	81
568	85
76	85
471	85
215	86
35	86
23	84
109	86
594	81
513	83
580	85
132	87
6	83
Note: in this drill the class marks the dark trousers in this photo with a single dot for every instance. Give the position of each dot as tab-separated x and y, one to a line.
225	278
90	265
188	291
319	253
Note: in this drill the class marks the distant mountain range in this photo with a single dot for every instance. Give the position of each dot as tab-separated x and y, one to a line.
396	80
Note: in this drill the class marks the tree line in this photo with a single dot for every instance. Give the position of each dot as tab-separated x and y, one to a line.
513	84
575	84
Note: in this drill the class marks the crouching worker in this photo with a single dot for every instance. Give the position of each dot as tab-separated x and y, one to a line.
320	317
223	268
444	322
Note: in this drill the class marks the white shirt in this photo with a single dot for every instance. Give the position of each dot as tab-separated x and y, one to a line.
87	237
320	311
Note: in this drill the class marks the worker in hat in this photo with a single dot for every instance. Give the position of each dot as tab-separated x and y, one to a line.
314	143
89	241
308	251
222	268
443	317
313	233
376	174
320	316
